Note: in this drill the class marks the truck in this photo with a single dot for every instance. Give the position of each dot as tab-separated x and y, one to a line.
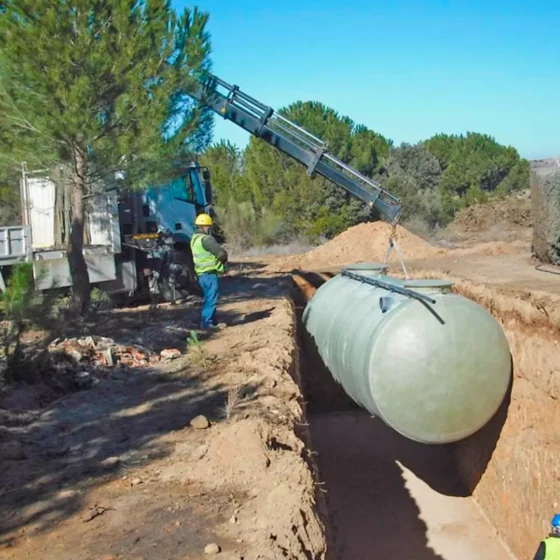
139	242
136	242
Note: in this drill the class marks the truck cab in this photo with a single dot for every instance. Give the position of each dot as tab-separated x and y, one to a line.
168	207
157	225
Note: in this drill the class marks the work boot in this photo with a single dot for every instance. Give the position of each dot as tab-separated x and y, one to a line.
218	327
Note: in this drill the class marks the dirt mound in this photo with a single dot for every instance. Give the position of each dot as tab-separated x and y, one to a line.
508	214
361	243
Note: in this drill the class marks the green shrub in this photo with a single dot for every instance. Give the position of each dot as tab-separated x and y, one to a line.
19	304
245	228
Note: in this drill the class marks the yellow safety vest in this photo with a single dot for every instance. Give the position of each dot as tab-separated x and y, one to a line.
552	551
204	261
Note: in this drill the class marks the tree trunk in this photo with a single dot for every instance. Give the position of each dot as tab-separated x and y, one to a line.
76	261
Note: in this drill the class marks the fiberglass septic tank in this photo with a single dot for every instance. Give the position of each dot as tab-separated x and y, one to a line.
431	364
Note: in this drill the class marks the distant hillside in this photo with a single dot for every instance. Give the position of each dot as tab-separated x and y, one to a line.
545	166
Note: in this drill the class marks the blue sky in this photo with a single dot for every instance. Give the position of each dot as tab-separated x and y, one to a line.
405	69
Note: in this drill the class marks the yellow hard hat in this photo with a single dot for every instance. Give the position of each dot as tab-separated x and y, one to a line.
203	220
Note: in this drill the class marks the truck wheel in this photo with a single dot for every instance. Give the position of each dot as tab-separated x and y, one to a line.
187	282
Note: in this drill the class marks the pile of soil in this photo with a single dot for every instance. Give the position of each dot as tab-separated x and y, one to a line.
362	243
507	214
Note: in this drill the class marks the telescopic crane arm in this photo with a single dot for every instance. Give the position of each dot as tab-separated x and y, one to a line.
263	122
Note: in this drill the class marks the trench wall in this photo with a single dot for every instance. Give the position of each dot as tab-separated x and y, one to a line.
512	465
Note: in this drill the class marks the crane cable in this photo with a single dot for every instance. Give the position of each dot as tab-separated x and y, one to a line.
393	245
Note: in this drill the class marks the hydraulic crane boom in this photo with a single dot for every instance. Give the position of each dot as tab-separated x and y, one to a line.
262	121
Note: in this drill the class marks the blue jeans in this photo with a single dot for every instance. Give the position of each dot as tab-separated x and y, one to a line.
211	290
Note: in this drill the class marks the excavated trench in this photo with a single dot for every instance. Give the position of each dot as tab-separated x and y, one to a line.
386	496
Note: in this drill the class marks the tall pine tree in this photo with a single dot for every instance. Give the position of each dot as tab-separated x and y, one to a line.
100	86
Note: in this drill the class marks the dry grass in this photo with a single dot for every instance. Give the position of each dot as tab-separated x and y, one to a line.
198	355
235	398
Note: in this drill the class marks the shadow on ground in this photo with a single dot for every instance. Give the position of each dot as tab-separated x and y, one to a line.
72	444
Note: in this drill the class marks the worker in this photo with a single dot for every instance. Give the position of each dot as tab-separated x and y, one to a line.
209	260
549	549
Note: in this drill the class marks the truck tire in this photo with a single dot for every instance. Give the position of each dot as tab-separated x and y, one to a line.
187	282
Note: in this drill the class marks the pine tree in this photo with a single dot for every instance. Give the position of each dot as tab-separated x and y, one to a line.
100	86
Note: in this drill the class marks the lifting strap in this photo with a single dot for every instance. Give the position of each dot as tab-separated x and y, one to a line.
394	245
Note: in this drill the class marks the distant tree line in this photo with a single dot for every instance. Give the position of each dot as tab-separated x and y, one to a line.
434	178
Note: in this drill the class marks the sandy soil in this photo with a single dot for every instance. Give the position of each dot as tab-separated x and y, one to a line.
364	242
117	471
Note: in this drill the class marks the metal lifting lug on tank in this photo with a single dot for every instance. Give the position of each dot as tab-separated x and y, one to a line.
431	364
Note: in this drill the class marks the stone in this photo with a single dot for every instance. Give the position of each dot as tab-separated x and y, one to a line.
170	353
110	462
108	357
200	422
233	519
136	481
12	451
212	548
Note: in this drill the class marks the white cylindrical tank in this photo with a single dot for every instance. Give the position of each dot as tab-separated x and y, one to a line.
435	372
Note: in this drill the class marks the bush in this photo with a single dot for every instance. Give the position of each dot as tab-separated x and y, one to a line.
19	303
21	307
245	228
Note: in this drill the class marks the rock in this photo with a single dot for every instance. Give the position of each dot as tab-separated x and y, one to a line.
88	341
170	353
12	451
67	494
136	481
107	355
74	353
212	548
233	519
200	422
110	462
